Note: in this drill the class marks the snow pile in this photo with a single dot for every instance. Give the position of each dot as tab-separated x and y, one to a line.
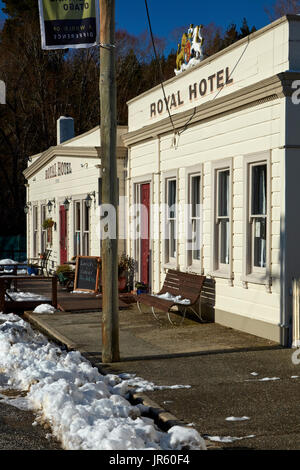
178	299
25	296
45	308
85	409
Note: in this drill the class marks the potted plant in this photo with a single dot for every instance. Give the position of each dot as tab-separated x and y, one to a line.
125	271
64	273
141	288
47	225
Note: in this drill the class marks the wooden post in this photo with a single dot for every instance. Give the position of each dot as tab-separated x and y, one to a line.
54	291
108	122
2	295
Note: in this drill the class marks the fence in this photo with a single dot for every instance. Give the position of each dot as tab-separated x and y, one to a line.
296	312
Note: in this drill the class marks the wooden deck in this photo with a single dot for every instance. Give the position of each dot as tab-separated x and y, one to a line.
66	301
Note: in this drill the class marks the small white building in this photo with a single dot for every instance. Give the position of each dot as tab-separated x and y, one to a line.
232	147
63	185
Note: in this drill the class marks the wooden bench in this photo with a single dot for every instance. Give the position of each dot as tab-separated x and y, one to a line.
176	283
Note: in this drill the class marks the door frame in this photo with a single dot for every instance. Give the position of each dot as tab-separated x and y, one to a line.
67	232
138	183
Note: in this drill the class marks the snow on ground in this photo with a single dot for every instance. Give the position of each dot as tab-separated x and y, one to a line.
267	379
85	409
228	439
233	418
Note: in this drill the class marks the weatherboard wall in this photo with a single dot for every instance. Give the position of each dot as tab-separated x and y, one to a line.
263	125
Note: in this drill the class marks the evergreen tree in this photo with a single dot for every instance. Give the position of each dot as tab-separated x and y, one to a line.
15	8
231	36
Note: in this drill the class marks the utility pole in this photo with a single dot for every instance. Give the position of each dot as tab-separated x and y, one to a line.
108	123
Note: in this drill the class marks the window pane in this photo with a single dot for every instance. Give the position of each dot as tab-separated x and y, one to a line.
77	216
224	241
259	190
44	241
86	218
86	245
172	239
43	214
196	237
35	218
195	196
223	193
172	198
77	244
260	243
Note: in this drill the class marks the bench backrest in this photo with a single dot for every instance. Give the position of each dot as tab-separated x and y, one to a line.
45	258
185	284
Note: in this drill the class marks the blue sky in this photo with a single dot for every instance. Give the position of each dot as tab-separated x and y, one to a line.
166	15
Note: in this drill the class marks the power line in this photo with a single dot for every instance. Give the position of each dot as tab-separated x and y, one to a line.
159	65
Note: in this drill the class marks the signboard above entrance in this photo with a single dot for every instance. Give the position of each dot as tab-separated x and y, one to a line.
69	24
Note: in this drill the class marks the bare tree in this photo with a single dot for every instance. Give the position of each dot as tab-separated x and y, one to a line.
283	7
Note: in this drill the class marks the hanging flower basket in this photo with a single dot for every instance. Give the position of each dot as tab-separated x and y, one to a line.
48	223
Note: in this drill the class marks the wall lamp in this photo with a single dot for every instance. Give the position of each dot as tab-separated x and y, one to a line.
67	203
50	205
27	207
88	200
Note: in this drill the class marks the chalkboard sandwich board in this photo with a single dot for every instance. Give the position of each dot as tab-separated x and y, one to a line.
87	274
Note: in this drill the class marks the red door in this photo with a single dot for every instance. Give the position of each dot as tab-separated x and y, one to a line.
145	232
63	235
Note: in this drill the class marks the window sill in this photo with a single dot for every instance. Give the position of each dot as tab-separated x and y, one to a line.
170	265
222	274
256	278
195	268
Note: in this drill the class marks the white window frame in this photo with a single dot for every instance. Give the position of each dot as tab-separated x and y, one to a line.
219	269
192	264
43	231
76	230
35	230
86	249
251	273
170	261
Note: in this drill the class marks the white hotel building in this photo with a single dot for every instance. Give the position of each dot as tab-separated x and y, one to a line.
233	147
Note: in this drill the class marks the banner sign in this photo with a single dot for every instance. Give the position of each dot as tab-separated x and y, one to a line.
69	23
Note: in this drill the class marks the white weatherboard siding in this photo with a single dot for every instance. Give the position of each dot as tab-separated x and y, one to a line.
262	55
250	118
256	129
82	155
77	185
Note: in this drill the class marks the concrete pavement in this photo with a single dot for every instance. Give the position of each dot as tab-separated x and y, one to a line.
215	361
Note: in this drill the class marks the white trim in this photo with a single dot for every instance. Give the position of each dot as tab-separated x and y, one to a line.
195	170
43	232
136	192
170	175
261	276
217	269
